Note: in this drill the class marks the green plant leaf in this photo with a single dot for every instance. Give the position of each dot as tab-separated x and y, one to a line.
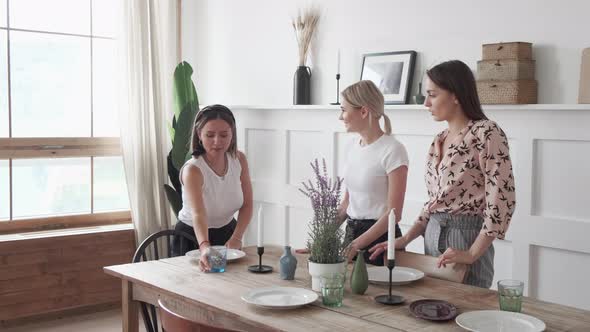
174	175
188	156
171	132
174	199
186	106
184	89
182	134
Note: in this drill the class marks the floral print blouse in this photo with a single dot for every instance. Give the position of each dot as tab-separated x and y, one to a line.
474	177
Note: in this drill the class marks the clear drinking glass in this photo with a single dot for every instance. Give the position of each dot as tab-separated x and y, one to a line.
217	257
510	295
332	286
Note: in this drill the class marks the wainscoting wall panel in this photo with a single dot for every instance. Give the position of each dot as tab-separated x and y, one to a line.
417	147
562	181
264	164
550	147
303	147
504	259
560	276
343	144
299	219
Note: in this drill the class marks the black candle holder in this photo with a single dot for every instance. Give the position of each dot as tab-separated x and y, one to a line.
337	90
260	268
390	299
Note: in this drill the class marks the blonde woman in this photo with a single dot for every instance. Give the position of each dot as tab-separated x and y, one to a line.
375	173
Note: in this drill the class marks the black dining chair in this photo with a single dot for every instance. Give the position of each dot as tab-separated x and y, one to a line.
149	250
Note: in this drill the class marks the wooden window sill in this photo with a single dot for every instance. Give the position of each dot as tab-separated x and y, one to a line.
65	232
64	222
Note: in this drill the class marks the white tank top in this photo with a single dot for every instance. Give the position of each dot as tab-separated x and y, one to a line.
222	195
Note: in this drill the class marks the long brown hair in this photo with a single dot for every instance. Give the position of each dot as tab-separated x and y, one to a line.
208	113
457	78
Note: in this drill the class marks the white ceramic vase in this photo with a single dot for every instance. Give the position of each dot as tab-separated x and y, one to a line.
316	270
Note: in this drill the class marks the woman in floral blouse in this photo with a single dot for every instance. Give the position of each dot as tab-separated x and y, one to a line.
468	177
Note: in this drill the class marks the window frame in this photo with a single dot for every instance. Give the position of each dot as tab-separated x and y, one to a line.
12	148
60	147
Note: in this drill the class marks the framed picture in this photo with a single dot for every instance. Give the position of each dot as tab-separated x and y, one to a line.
392	73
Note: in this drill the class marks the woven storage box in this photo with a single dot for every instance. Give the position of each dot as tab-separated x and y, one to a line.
506	70
515	50
507	92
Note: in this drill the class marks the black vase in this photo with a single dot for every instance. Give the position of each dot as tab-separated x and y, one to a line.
302	86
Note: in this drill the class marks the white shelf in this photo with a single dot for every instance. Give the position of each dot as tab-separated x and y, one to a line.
536	107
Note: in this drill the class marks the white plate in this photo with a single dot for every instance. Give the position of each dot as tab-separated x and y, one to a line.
280	297
496	320
232	254
399	276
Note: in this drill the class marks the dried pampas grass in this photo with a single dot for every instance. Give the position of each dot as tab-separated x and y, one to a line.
305	25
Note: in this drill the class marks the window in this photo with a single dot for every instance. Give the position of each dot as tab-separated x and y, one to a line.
60	159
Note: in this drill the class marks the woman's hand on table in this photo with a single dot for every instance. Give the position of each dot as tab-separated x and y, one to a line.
452	255
234	243
351	251
204	259
379	248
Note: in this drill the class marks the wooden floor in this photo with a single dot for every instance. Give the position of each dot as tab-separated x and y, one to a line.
104	321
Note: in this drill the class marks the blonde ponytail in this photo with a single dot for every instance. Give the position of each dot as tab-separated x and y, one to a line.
387	122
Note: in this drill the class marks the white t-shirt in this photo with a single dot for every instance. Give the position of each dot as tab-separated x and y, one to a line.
365	175
222	195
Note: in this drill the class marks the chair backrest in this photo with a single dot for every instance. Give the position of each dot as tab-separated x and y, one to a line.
143	252
149	250
427	264
173	322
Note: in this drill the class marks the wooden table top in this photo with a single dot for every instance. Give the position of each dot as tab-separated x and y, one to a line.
181	277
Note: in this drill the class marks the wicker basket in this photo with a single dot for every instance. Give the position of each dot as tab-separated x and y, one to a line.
515	50
506	70
507	92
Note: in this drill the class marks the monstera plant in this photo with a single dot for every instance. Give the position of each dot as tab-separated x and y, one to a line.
186	106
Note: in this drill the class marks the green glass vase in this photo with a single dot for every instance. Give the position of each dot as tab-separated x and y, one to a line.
359	280
419	97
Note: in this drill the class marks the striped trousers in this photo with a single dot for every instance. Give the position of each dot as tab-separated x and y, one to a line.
459	232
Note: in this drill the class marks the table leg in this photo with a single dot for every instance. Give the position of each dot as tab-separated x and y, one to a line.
130	309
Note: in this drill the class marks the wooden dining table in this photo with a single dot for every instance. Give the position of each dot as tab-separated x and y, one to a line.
215	298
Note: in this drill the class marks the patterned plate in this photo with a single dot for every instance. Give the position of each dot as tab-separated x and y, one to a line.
433	309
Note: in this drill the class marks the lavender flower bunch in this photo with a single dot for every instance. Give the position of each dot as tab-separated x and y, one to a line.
326	242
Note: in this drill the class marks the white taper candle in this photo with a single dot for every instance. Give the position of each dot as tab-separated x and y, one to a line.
338	67
391	235
260	224
286	232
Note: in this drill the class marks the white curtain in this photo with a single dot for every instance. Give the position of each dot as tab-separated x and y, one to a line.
148	56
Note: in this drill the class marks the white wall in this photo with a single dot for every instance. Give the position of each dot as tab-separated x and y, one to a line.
244	52
547	244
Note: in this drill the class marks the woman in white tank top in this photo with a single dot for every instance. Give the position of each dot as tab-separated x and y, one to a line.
215	185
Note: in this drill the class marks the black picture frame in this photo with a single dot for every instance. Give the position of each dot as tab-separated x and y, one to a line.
392	72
